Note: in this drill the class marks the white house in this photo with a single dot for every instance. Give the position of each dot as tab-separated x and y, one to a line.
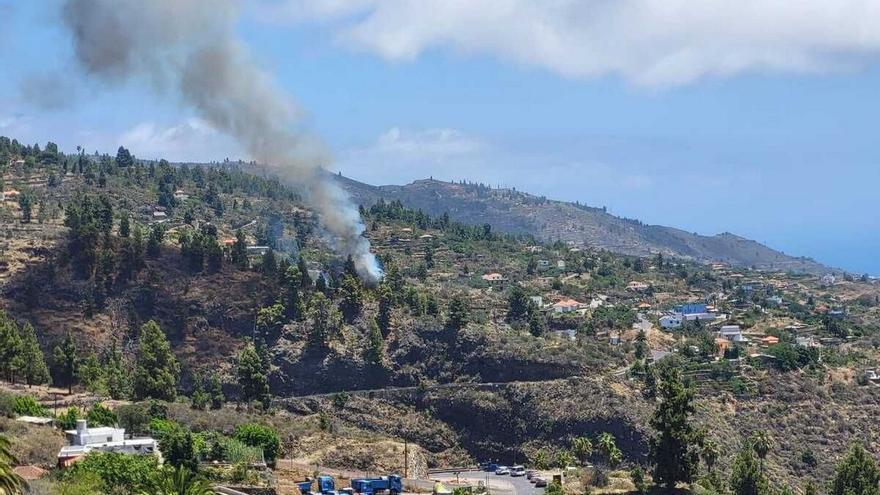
543	264
671	321
566	306
560	264
637	286
732	333
83	440
538	301
257	250
828	280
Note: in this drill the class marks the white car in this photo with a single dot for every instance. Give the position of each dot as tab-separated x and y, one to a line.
502	470
518	471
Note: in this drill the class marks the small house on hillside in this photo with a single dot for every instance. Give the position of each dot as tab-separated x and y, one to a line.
566	305
637	286
83	440
257	250
687	309
671	321
732	333
493	277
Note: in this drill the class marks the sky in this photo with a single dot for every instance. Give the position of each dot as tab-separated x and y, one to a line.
752	117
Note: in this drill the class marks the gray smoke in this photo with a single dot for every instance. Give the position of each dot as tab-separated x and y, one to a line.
190	47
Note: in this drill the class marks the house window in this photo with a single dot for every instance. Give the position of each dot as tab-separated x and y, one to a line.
109	439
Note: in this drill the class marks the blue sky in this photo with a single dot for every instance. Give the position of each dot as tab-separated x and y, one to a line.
710	122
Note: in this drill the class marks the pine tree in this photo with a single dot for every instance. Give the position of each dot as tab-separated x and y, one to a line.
674	447
857	474
326	321
386	303
33	363
156	369
305	280
746	477
124	226
517	304
10	347
293	304
252	375
458	315
65	357
239	251
352	297
375	351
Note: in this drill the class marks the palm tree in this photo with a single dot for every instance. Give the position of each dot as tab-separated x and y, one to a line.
762	444
582	448
710	453
180	481
608	447
10	482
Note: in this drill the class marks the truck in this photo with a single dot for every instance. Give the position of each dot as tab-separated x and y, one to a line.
326	486
392	484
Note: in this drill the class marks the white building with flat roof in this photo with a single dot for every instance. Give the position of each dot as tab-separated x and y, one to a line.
83	440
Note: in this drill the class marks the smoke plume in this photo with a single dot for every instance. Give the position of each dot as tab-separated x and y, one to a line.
190	47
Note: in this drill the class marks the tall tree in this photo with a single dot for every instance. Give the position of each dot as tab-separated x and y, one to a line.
293	303
326	321
65	357
252	375
608	448
26	203
459	314
375	351
517	303
239	251
156	369
856	474
270	321
582	448
352	297
10	347
386	304
746	477
674	448
33	363
762	444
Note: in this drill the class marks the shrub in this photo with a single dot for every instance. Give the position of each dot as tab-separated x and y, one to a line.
257	435
25	405
130	473
101	416
67	419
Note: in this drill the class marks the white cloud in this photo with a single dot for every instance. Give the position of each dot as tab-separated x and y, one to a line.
14	126
190	140
402	155
646	42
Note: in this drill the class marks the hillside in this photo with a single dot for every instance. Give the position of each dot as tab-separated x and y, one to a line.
517	212
471	327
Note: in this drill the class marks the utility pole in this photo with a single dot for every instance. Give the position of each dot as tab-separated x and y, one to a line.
405	459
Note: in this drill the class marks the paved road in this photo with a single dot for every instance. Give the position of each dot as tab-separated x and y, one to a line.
500	485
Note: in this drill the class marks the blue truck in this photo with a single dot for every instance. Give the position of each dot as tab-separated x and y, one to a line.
326	486
392	484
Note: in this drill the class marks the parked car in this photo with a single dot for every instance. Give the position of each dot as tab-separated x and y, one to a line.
518	471
531	474
502	470
540	482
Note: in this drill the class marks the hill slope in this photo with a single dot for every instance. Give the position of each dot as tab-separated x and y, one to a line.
517	212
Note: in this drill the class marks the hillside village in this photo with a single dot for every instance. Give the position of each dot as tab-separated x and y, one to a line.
197	315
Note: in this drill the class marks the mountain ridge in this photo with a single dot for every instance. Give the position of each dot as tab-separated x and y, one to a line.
514	211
